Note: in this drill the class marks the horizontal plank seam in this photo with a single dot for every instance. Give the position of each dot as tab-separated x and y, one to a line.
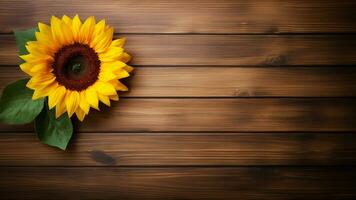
198	132
251	33
170	133
264	66
236	97
206	33
349	166
240	97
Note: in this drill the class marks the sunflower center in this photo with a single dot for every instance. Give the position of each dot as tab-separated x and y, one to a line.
76	66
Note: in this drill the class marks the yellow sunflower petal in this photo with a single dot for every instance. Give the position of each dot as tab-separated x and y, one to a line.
45	29
55	96
83	104
104	40
41	92
47	41
104	88
125	57
44	36
128	68
76	24
114	97
67	33
67	20
26	67
38	49
80	114
41	68
72	101
86	30
121	74
56	27
107	76
33	69
118	42
112	66
92	97
118	85
30	58
112	54
98	30
99	27
60	107
40	80
104	99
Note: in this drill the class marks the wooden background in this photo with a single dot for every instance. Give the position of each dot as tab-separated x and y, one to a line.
231	99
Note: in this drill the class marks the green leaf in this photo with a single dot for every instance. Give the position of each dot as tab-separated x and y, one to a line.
51	131
22	37
16	104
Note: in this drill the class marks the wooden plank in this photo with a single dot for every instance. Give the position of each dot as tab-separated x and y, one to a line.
226	50
178	183
217	81
182	149
232	115
185	16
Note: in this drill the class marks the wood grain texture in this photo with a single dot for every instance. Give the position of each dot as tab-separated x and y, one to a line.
194	114
253	50
184	16
182	149
178	183
218	81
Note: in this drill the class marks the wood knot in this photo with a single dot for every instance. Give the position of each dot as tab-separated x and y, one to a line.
102	157
240	92
272	29
276	60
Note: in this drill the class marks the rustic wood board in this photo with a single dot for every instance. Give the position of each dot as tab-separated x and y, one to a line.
183	149
234	81
219	114
178	183
186	16
252	50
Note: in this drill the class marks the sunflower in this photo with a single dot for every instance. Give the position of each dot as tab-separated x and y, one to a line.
75	65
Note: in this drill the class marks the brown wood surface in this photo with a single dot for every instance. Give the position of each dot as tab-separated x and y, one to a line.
216	114
218	81
186	16
182	149
153	49
178	183
230	99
